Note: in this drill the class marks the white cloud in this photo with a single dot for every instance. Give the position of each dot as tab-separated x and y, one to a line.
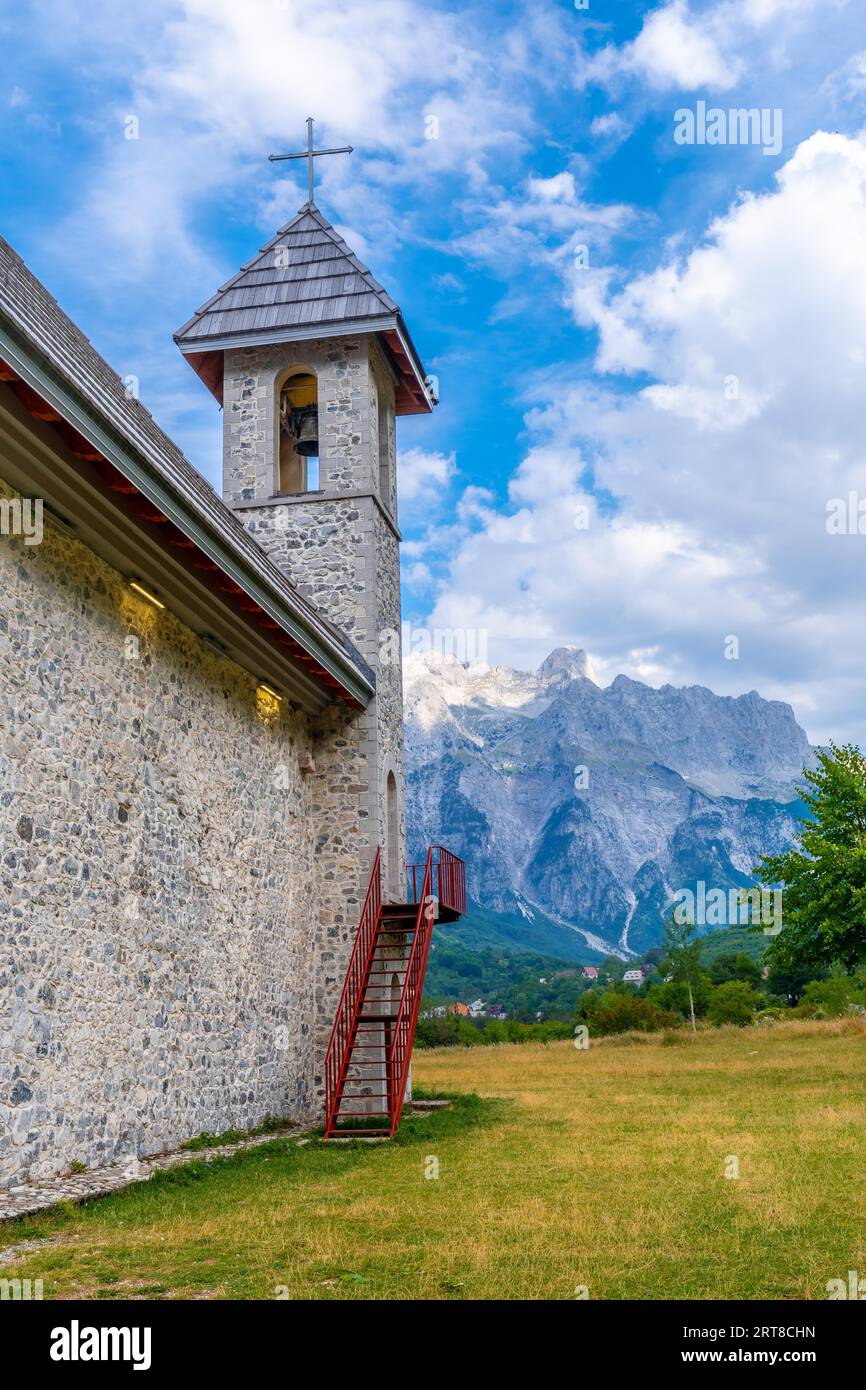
540	224
424	475
225	84
418	575
760	12
849	81
611	127
714	501
684	46
559	188
675	48
423	481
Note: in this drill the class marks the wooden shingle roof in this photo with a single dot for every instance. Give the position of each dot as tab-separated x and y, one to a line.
306	275
306	281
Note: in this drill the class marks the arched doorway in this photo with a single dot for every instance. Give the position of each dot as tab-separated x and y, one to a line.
394	874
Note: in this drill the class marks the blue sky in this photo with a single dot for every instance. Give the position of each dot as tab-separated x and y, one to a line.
638	442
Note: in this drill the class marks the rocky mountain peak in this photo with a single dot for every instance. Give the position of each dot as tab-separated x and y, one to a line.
565	663
582	809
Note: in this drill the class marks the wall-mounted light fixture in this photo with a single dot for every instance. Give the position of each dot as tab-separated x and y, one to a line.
269	703
145	593
269	690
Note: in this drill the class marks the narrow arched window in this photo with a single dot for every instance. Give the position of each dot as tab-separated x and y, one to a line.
385	427
298	454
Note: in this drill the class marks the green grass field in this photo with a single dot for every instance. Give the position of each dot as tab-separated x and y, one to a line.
557	1168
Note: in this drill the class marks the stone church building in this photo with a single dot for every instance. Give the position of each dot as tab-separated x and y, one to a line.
201	745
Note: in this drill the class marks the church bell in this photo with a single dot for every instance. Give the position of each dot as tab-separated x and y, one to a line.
305	429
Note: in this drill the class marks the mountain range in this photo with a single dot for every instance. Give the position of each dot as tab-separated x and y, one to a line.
580	809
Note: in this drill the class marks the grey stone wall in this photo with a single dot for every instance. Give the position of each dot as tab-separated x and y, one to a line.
389	684
348	438
177	900
383	389
176	897
340	545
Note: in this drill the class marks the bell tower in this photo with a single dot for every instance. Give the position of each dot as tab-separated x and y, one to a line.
312	363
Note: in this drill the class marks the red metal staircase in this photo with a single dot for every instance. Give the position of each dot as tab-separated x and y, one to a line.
367	1063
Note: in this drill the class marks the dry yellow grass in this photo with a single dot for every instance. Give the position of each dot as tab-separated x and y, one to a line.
602	1168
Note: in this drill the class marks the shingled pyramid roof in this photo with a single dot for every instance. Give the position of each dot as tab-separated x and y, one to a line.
305	281
306	275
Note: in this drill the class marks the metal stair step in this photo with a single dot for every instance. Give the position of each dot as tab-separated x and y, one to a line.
390	954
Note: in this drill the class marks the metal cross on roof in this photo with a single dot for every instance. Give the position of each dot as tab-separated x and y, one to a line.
309	154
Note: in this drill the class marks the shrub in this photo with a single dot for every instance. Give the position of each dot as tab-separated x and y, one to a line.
833	997
673	996
588	1003
733	1002
766	1018
622	1013
463	1032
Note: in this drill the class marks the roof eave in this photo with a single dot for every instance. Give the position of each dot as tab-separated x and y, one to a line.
38	372
250	337
384	324
417	368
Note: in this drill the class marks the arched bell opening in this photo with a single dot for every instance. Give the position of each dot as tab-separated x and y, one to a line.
298	434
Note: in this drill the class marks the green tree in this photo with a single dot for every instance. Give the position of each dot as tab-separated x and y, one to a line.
611	969
682	958
588	1003
789	982
824	873
735	967
733	1002
675	995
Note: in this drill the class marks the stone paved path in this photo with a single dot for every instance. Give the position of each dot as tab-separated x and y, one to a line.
99	1182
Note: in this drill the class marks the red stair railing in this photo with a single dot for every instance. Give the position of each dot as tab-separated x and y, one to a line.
448	882
340	1046
400	1054
443	880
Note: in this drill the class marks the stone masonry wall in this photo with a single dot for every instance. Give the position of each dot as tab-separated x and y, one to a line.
177	900
339	545
384	387
389	680
327	548
348	442
175	894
